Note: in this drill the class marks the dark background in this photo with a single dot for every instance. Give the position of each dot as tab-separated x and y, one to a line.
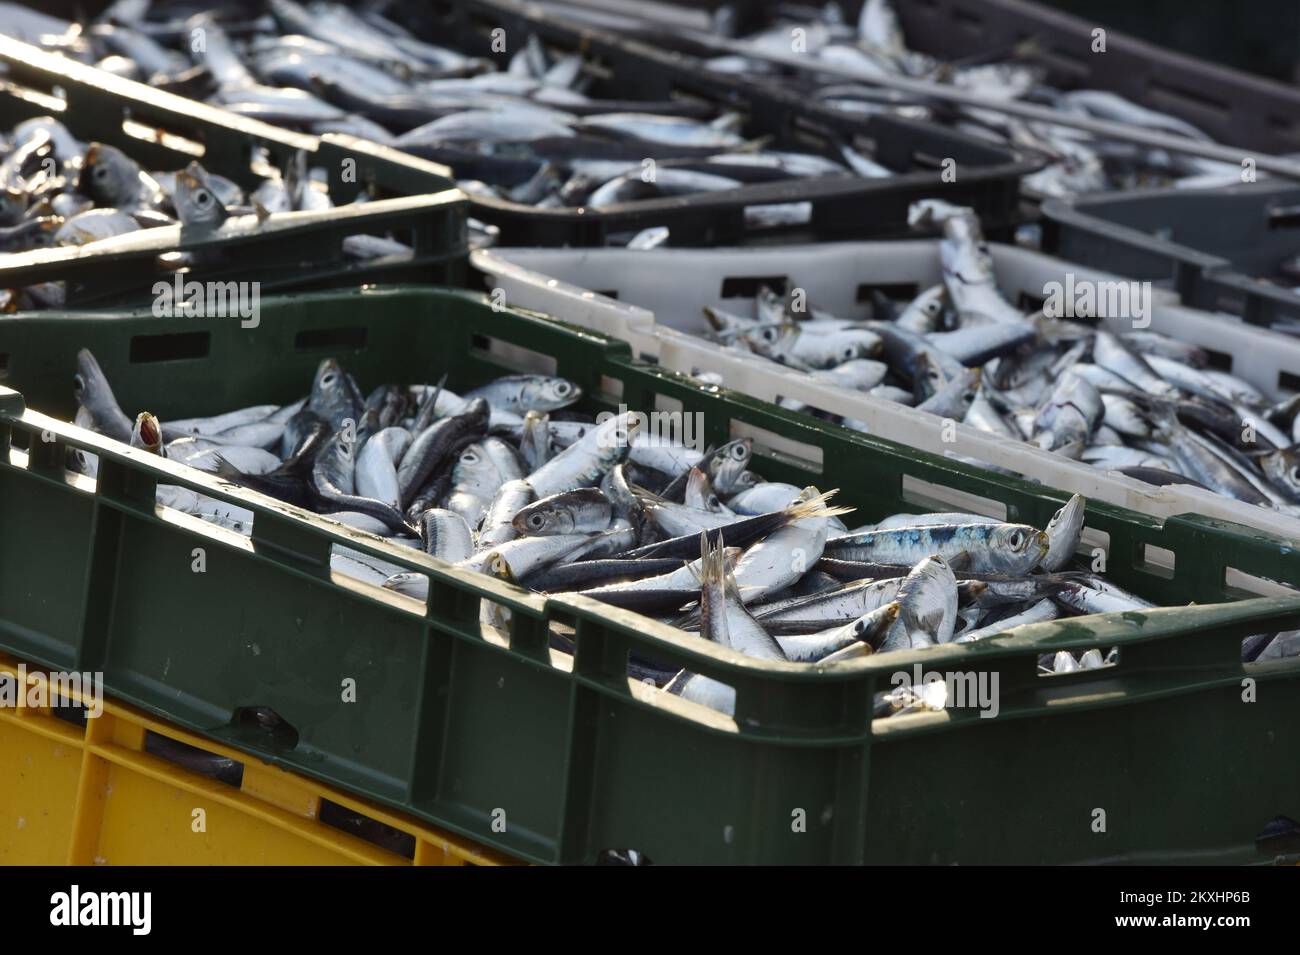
1259	36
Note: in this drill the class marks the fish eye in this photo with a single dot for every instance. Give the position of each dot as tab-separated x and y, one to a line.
769	334
327	379
932	305
536	520
849	353
1295	474
202	198
78	383
100	172
739	452
562	388
469	457
1016	540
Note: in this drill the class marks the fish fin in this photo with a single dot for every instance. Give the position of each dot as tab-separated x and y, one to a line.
261	211
227	471
813	504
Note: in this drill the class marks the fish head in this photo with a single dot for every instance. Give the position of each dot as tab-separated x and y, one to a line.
853	347
89	385
108	176
771	339
1018	545
744	481
619	431
729	463
544	518
1070	517
551	394
474	464
332	393
1283	468
195	200
930	302
146	433
871	627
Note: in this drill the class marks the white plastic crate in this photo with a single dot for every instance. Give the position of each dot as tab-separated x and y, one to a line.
659	294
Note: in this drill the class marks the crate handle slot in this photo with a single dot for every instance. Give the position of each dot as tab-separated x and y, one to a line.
361	826
1111	658
178	346
212	765
747	286
347	338
1284	217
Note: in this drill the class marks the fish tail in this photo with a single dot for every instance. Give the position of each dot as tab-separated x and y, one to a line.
713	562
813	504
227	471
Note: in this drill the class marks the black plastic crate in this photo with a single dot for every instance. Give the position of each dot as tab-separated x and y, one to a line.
411	200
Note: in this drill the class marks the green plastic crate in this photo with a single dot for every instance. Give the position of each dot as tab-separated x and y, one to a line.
566	753
414	200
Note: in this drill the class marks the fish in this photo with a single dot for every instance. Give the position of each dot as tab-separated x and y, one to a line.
726	622
993	548
583	510
927	607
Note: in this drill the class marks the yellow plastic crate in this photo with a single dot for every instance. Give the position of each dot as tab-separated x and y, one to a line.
126	788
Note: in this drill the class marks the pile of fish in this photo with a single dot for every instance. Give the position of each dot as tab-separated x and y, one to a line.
56	190
1078	161
504	480
528	133
1137	402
